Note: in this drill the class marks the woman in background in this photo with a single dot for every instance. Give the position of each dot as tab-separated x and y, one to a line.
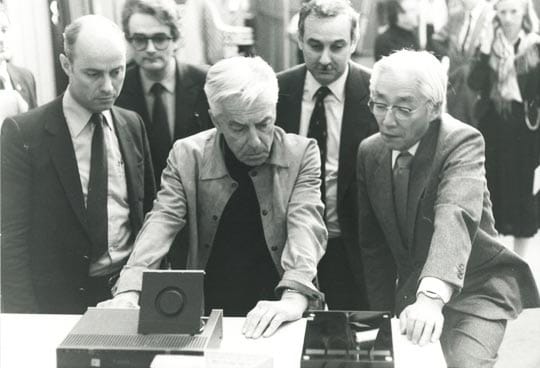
507	75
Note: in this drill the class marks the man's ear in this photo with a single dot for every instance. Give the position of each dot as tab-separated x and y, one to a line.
299	41
65	63
214	120
435	111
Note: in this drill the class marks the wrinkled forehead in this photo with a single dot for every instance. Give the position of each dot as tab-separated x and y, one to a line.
255	112
397	87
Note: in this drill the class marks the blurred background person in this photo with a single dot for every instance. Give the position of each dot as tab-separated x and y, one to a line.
458	41
17	84
507	75
402	30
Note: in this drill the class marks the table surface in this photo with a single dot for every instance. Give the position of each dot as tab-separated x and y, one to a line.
30	340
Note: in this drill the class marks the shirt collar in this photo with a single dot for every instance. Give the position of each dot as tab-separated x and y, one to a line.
411	150
77	116
337	87
169	82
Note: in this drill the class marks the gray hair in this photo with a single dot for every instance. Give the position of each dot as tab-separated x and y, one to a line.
236	84
430	75
72	31
328	9
165	11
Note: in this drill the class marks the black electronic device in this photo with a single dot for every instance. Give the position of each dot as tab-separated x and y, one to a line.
169	322
348	339
171	301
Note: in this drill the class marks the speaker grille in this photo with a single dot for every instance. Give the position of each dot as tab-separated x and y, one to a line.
182	342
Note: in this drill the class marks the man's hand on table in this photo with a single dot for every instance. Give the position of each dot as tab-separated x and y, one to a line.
423	320
128	299
267	316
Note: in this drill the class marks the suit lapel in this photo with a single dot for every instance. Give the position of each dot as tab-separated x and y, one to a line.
133	89
291	96
186	92
353	127
131	158
64	160
420	170
383	199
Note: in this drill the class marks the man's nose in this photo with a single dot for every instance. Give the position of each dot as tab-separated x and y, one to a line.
325	57
150	46
253	139
107	85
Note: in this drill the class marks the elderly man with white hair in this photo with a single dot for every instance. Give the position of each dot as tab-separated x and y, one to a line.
425	221
250	196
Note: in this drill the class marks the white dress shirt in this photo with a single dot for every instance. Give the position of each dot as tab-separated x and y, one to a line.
168	96
430	284
334	104
119	227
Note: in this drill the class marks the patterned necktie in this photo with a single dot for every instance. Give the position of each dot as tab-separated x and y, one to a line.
96	200
317	130
158	135
400	175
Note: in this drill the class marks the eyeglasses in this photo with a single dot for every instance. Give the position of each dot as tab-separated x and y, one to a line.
140	42
400	112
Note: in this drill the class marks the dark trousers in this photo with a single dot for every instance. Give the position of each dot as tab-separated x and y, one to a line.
337	281
469	341
98	289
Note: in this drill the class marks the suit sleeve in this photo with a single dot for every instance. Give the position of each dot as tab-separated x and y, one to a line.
149	181
16	287
379	266
306	232
458	209
162	223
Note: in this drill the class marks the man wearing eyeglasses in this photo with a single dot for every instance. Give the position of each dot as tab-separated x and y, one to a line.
167	94
326	99
425	222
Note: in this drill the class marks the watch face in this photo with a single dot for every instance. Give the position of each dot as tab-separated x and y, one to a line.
356	339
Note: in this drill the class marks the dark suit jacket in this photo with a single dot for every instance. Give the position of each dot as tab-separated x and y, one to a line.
23	81
45	239
357	124
191	104
451	234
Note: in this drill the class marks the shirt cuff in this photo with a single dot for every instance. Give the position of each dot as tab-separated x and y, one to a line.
437	286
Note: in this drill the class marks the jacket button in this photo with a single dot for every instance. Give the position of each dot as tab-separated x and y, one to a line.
214	218
274	248
82	290
253	173
86	257
207	246
264	212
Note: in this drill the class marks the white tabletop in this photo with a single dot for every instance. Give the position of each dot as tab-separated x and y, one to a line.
30	340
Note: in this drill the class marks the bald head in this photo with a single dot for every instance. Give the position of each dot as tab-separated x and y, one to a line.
94	59
94	31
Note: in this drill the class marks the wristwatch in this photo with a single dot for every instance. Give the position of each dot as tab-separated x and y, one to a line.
431	295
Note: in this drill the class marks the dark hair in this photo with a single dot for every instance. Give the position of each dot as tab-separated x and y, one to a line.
165	11
328	9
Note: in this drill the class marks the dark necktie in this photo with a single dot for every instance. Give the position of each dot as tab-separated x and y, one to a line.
1	82
96	200
401	186
159	136
317	130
